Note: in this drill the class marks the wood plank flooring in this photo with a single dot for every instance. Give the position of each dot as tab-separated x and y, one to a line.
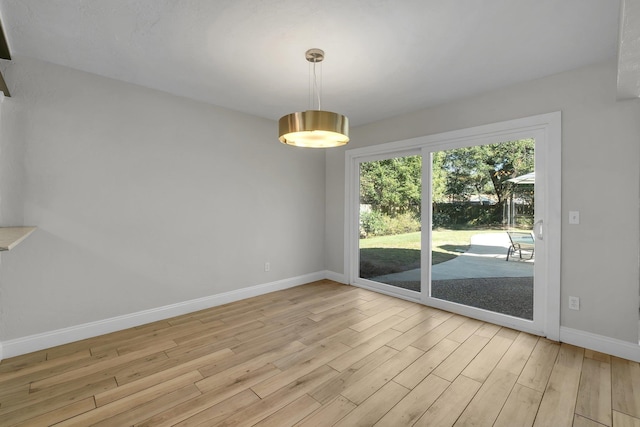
319	355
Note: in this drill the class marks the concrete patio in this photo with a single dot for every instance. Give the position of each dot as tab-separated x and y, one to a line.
484	259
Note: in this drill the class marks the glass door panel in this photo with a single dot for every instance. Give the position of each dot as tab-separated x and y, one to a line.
482	241
389	221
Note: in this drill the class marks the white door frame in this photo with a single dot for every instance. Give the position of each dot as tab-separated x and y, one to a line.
546	129
355	216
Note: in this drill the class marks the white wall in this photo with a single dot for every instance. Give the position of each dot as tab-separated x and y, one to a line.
142	200
600	178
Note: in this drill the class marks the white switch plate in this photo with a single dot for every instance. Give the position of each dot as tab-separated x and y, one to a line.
267	266
574	303
574	217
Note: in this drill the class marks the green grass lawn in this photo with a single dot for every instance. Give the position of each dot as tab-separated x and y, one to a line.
401	252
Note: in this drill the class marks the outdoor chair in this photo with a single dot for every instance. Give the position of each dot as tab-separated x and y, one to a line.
520	241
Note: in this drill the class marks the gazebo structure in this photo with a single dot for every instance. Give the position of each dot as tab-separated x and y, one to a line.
510	206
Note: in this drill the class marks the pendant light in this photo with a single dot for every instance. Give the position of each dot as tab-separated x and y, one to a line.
314	128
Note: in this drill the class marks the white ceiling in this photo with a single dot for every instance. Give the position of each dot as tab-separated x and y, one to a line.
383	57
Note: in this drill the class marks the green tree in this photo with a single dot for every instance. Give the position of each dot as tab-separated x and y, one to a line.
508	160
482	169
392	186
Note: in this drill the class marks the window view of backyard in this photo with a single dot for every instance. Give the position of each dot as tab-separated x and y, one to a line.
482	214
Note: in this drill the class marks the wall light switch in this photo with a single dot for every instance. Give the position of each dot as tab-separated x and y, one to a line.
574	303
574	217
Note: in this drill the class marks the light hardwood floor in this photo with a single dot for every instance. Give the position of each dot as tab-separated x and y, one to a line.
317	355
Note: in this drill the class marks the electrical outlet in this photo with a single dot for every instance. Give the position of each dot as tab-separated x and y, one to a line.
574	303
267	266
574	217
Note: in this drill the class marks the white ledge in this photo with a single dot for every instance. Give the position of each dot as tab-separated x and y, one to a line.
11	236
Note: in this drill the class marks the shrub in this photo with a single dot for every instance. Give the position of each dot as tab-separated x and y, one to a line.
372	223
403	223
375	223
449	215
440	219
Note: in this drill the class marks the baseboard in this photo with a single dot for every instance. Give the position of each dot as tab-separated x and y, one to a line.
612	346
336	277
31	343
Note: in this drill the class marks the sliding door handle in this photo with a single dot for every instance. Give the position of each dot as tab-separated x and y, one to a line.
537	229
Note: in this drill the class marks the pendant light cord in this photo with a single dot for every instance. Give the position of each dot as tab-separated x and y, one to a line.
315	85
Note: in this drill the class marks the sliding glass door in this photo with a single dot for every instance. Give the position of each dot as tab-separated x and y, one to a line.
389	221
485	206
482	216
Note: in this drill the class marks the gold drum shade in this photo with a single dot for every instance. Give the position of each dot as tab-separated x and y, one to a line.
314	129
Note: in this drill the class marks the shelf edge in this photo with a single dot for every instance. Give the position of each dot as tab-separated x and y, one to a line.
10	237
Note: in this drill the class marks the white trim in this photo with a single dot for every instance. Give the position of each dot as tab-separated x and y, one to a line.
382	288
553	226
336	277
477	135
487	316
612	346
31	343
543	126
